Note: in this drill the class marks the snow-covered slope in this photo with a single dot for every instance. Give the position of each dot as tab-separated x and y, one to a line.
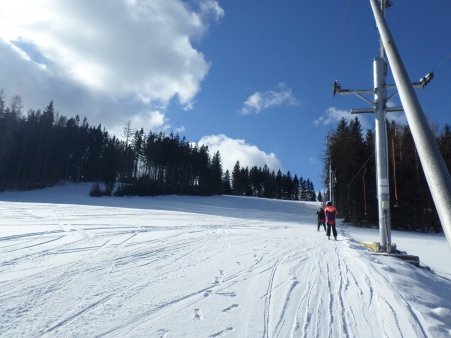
173	266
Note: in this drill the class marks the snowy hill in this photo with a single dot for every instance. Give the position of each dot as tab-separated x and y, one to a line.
172	266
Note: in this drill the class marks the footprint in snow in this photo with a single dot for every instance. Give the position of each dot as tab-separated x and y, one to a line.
227	294
163	333
207	293
222	333
387	268
442	314
198	314
230	308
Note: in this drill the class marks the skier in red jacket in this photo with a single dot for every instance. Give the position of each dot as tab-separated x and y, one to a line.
331	214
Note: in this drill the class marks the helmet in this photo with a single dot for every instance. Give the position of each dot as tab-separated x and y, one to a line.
329	203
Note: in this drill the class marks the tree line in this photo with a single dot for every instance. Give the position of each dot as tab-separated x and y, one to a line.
43	148
351	155
261	182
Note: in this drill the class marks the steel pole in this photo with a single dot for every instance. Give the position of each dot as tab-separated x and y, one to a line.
435	170
330	183
383	193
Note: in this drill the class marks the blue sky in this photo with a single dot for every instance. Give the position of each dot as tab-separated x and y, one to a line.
251	78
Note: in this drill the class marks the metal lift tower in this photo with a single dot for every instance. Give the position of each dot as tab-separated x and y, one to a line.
435	170
379	109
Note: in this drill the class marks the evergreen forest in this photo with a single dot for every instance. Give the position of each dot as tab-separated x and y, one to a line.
43	148
350	152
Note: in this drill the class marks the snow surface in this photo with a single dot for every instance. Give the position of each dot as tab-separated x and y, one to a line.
184	266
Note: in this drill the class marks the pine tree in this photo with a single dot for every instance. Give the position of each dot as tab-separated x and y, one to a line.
226	184
237	182
303	190
247	188
311	189
216	174
295	188
320	197
287	186
279	185
255	181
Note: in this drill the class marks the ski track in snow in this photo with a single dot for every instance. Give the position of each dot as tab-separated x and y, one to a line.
111	272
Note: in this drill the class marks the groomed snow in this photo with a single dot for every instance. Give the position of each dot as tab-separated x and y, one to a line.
184	266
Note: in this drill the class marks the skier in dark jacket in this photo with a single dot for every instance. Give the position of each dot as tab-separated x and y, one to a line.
321	219
331	213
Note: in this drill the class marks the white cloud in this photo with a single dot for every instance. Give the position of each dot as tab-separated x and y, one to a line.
211	7
233	150
332	116
154	119
260	101
137	53
391	104
399	117
313	161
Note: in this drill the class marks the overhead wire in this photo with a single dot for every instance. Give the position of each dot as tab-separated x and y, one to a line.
441	63
398	117
348	186
394	166
339	59
341	41
336	73
336	79
364	190
393	147
363	166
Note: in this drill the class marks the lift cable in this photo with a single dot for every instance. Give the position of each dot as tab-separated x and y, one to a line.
441	63
342	39
357	173
336	75
339	59
364	190
394	166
